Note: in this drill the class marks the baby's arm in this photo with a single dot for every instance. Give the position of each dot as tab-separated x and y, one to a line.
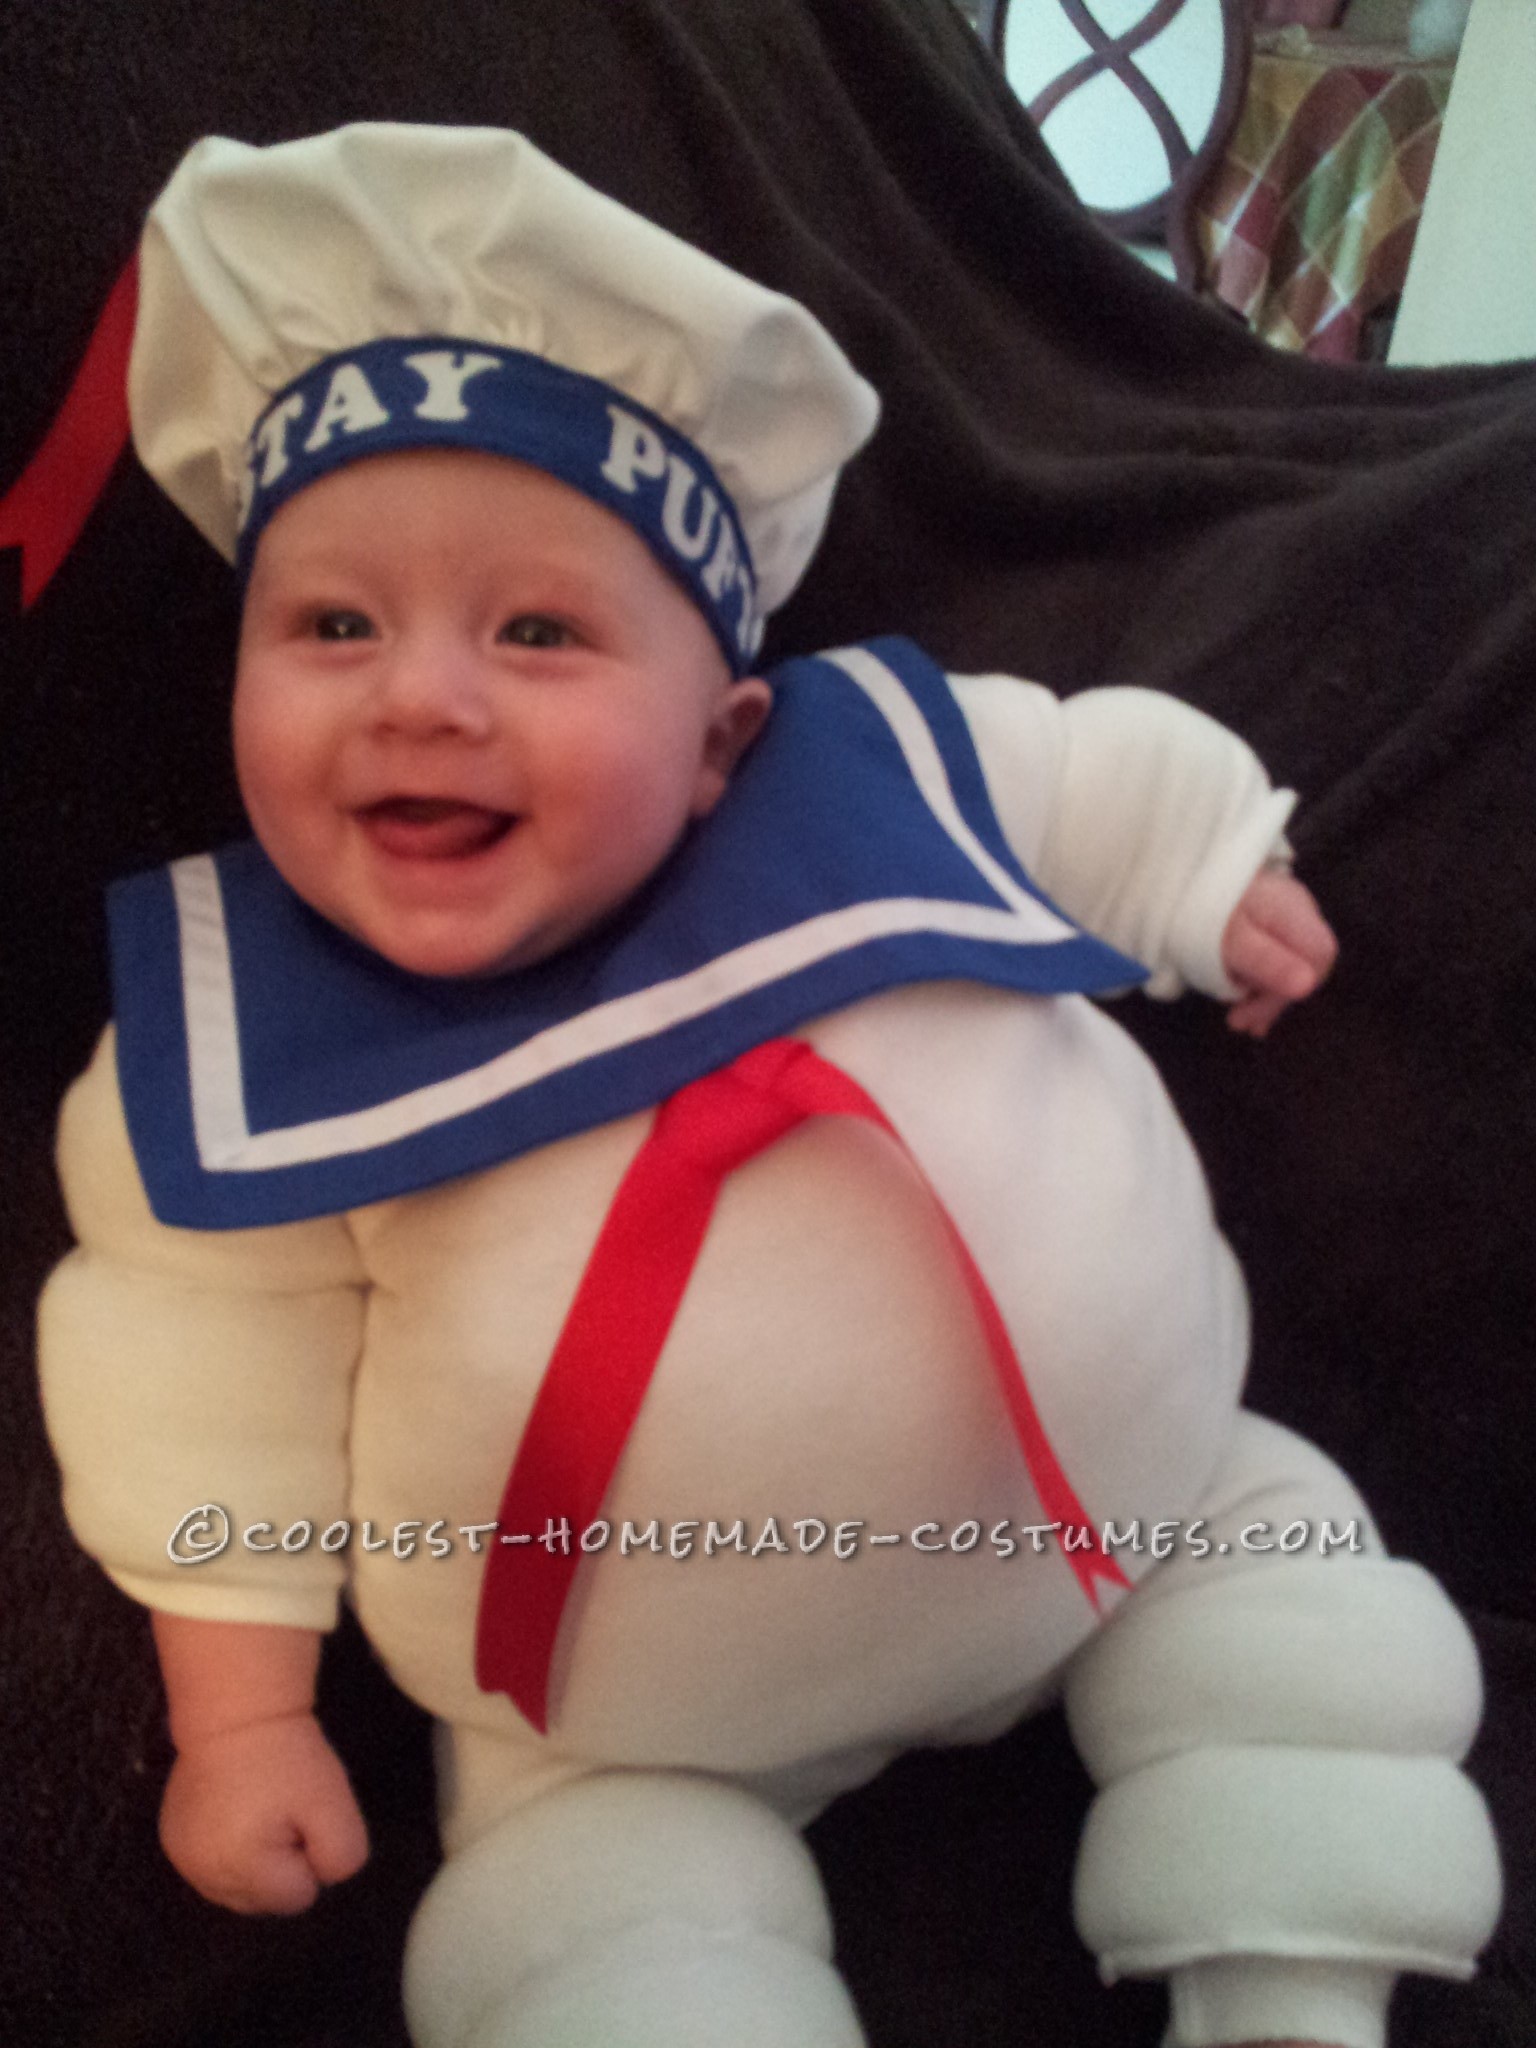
1277	948
232	1353
1157	829
258	1813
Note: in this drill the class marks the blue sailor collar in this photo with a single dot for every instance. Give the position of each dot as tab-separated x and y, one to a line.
274	1069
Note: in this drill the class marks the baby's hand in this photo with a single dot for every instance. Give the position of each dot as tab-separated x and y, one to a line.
1277	947
258	1818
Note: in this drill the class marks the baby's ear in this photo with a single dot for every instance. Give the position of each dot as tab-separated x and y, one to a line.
737	720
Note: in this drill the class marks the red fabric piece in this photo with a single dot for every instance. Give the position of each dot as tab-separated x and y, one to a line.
618	1322
50	501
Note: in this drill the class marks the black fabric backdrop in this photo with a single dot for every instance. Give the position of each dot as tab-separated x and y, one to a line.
1081	476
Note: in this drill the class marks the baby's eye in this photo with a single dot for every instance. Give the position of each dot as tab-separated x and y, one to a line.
340	624
533	629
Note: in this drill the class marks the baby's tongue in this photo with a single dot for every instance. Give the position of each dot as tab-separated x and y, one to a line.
434	828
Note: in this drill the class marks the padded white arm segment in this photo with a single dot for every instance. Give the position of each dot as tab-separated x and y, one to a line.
230	1351
1145	819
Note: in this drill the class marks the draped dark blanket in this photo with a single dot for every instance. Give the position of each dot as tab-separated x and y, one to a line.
1081	477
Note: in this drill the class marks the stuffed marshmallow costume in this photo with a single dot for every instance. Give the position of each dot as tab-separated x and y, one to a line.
709	1358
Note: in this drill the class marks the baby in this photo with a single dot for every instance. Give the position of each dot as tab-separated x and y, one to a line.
688	1462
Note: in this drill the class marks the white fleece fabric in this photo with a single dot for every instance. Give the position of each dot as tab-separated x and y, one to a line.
379	1367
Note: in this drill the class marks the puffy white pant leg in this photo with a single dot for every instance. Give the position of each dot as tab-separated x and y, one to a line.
1282	1826
628	1909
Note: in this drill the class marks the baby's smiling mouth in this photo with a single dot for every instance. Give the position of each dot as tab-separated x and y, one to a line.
434	828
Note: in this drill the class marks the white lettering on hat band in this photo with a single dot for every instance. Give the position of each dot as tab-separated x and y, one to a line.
445	373
687	515
681	483
351	403
270	438
635	450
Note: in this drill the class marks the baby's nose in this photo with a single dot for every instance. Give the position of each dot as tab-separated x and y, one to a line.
431	687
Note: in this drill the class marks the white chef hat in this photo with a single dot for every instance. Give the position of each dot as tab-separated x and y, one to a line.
387	286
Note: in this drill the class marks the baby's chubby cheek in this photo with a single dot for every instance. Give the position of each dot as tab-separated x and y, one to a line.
297	826
280	758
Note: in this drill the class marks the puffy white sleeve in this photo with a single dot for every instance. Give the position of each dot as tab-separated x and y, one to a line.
1142	817
182	1368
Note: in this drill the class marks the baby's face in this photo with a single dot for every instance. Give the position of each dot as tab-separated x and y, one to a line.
472	712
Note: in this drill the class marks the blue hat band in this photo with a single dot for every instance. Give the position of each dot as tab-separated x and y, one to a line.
437	392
